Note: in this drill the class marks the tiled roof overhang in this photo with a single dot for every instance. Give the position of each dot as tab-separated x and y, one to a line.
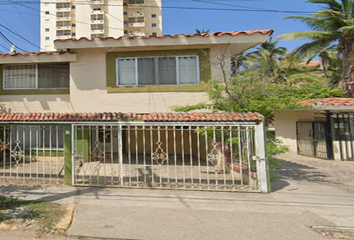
37	57
330	103
247	38
117	116
25	54
204	35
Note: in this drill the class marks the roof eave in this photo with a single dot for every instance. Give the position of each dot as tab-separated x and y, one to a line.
181	40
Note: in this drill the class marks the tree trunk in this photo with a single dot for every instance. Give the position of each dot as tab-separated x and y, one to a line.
348	68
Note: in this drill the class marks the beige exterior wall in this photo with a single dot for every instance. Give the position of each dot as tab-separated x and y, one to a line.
36	103
89	94
285	126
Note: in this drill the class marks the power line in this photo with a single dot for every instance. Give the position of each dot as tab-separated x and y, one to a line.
4	37
246	8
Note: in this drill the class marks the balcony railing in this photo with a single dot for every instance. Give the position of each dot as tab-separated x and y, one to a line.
63	36
97	12
68	18
136	5
97	2
136	33
63	9
97	21
63	27
136	14
97	31
139	24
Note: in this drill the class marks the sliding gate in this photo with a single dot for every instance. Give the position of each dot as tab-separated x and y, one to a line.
223	156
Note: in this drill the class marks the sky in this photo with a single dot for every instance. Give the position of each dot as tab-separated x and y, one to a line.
20	19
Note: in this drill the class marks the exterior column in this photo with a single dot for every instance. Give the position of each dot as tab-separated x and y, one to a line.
329	139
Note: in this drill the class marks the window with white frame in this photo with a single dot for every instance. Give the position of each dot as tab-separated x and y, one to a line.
161	70
36	76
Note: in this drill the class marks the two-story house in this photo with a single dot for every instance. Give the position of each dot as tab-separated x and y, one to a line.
89	109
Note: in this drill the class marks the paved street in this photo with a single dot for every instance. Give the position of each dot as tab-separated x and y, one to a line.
310	192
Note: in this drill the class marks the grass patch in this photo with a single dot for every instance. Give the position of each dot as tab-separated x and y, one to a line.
46	214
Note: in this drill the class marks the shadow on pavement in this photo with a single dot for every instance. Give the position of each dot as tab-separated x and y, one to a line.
300	172
278	184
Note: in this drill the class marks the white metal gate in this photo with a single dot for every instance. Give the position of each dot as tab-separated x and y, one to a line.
32	154
198	156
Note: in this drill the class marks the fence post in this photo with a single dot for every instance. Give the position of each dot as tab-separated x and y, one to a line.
67	155
262	171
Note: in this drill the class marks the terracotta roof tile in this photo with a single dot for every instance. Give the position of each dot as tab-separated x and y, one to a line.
24	54
216	34
116	116
329	102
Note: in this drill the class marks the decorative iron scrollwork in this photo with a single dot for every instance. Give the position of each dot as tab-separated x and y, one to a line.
159	156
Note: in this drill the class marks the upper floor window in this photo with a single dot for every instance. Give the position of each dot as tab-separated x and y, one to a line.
161	70
153	15
36	76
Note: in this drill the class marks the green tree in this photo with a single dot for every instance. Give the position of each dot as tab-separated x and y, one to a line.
332	25
272	64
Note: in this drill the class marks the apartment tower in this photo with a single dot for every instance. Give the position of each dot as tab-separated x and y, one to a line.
63	19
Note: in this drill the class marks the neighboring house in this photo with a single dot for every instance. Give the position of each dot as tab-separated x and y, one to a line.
325	129
61	114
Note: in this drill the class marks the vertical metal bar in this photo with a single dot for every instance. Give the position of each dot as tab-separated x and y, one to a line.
50	153
183	165
191	153
120	153
159	140
261	158
240	153
144	153
17	145
224	158
175	152
232	156
345	126
129	155
24	153
216	167
249	157
37	152
198	146
151	154
136	156
73	151
43	151
340	139
206	157
4	150
11	139
104	155
329	139
112	157
90	142
167	160
57	151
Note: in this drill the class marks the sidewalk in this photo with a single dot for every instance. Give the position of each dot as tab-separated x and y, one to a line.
309	193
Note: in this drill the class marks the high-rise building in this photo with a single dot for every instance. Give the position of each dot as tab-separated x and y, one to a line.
62	19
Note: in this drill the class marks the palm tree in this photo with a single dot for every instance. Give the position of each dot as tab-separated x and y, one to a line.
332	25
202	31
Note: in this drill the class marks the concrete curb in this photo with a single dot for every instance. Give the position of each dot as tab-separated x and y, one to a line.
65	222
